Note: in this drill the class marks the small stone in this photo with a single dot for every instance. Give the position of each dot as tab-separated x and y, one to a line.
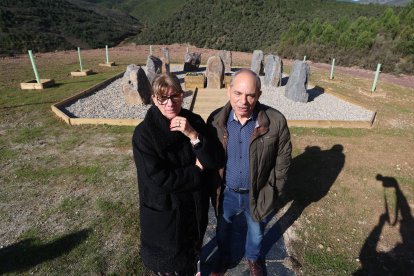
192	61
215	72
320	246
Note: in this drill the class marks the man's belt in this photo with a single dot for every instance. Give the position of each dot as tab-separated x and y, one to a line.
238	190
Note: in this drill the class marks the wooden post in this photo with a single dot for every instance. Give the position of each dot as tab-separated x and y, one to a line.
332	69
304	58
34	66
80	60
150	50
374	84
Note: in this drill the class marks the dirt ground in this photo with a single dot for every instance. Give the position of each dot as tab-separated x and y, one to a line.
177	52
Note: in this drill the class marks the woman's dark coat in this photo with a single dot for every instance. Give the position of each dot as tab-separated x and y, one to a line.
173	199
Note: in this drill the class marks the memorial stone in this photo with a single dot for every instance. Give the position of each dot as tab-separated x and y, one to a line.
154	65
215	72
136	86
273	71
298	82
226	58
165	60
192	61
257	62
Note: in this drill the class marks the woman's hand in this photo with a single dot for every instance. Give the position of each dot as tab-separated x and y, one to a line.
198	164
181	124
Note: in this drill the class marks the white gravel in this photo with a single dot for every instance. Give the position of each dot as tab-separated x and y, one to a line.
109	102
320	106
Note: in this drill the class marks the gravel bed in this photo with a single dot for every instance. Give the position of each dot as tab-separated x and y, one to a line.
109	103
320	106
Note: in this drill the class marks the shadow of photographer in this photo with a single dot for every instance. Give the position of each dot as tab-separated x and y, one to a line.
310	178
400	259
29	252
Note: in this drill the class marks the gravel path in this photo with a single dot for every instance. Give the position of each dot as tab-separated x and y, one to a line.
109	103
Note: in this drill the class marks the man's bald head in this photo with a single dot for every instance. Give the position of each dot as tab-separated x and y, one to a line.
257	84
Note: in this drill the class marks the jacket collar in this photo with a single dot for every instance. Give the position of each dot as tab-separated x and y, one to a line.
159	128
262	118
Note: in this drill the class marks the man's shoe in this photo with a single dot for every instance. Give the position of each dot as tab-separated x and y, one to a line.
255	268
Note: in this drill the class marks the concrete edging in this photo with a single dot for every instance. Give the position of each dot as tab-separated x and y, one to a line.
94	121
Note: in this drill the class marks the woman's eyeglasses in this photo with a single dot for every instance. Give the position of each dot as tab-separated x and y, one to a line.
164	99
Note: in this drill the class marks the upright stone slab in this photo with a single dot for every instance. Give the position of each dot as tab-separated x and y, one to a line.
226	58
257	62
298	82
192	61
136	86
154	65
277	81
273	71
129	69
215	72
165	60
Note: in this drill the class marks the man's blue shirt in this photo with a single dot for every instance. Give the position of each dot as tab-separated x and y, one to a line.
237	167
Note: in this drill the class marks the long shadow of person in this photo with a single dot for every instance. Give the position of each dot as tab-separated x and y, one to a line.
311	176
400	259
28	253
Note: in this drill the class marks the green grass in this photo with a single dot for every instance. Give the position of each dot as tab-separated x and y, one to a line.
329	132
87	174
321	263
7	154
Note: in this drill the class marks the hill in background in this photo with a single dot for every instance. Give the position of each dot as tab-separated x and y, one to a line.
44	25
147	11
361	35
353	34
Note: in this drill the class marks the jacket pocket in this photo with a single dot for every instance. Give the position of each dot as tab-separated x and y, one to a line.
158	229
266	200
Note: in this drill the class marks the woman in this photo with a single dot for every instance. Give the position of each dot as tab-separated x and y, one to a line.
172	148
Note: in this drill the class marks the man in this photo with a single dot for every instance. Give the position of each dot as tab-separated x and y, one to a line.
258	151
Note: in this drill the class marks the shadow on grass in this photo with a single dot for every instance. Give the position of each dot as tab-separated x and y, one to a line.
23	105
29	252
311	176
400	259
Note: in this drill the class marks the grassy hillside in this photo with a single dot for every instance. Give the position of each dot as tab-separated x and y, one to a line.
245	25
44	25
369	34
148	11
387	39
